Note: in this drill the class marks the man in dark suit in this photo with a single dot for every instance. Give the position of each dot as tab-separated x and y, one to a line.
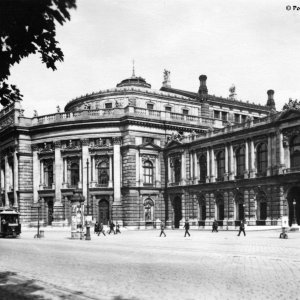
186	227
242	228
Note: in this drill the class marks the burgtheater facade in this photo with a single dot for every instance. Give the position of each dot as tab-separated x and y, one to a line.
138	155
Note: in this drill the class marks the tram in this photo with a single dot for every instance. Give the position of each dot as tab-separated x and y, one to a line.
9	223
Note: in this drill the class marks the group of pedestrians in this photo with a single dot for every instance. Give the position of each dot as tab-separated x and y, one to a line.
215	226
99	228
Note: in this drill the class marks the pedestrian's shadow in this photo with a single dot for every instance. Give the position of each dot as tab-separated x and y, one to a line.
12	288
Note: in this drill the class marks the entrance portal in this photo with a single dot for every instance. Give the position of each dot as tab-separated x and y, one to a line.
177	211
241	215
50	210
294	210
103	212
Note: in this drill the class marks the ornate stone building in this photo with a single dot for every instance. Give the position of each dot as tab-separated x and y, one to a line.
138	155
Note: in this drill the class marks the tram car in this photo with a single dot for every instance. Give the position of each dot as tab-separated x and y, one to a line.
9	223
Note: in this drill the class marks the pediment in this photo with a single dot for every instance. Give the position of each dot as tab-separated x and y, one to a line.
174	143
150	146
289	114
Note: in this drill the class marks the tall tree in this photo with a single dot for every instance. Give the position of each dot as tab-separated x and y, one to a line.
28	27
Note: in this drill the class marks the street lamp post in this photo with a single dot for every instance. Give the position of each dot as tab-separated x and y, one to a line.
294	218
88	233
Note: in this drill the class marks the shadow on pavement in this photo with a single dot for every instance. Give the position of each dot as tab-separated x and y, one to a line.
121	298
12	288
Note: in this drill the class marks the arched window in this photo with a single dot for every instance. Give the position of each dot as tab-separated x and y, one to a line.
240	161
74	172
177	170
240	211
220	165
295	152
220	208
103	173
48	175
262	159
148	172
203	168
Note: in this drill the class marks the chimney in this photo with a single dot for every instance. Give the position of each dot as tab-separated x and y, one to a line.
203	88
271	102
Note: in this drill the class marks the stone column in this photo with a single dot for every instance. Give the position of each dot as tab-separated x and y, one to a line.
213	167
6	180
252	159
169	170
196	169
58	207
110	182
16	179
41	174
66	170
246	173
226	163
208	165
80	173
269	155
157	171
183	168
141	171
117	171
281	152
191	166
117	211
85	158
137	168
231	163
35	173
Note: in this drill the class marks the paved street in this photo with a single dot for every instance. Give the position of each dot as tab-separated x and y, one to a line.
140	265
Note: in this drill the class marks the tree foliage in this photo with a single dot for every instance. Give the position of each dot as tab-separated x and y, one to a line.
28	27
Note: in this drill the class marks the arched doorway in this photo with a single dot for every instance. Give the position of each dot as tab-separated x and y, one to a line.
49	209
239	207
103	212
177	211
294	210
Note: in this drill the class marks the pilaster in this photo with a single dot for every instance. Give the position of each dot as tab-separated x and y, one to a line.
117	171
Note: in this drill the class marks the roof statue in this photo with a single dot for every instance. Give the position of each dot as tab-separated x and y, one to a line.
166	82
232	92
292	104
35	113
58	108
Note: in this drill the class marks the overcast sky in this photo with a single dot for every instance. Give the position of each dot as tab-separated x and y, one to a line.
252	44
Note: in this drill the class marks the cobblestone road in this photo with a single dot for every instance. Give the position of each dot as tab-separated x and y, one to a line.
140	265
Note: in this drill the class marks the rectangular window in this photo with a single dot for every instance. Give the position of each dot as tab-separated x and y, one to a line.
224	116
150	106
108	105
236	118
244	118
168	108
216	114
185	111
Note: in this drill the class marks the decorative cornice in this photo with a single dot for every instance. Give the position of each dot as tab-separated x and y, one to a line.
117	140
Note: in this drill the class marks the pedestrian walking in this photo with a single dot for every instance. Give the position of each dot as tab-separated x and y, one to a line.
186	227
242	228
111	228
215	226
101	229
96	227
118	228
162	229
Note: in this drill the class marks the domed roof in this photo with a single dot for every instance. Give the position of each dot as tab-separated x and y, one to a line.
134	81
